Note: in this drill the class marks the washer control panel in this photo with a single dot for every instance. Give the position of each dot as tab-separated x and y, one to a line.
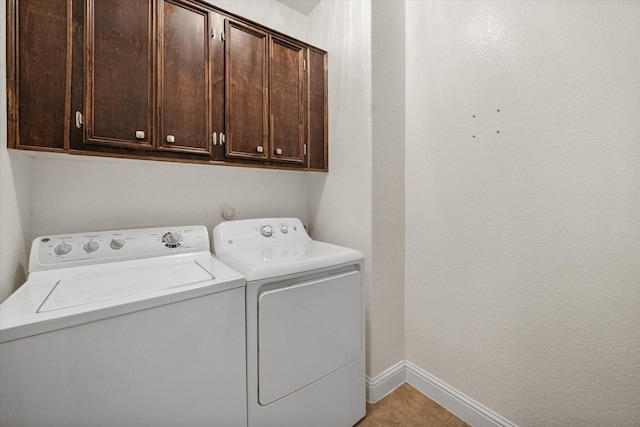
56	251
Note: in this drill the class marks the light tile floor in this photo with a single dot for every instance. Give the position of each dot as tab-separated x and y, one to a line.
407	407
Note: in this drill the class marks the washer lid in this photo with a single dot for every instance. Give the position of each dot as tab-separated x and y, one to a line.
61	298
75	290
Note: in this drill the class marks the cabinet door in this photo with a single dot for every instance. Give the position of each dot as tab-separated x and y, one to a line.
184	77
286	96
317	104
119	64
246	97
37	66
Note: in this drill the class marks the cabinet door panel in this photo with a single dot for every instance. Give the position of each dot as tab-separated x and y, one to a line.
184	80
41	65
247	104
120	73
286	94
317	150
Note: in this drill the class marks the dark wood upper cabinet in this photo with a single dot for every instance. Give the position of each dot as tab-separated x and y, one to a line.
317	150
247	97
37	73
177	80
184	77
120	54
286	96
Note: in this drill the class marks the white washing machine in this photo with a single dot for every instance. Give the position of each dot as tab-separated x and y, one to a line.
305	323
124	328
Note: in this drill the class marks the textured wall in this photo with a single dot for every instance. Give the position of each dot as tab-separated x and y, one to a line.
85	193
340	201
15	216
269	13
523	241
386	299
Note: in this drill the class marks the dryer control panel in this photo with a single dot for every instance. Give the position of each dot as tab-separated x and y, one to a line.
265	248
261	232
64	250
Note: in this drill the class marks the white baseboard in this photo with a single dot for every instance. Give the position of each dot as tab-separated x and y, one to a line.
456	402
383	384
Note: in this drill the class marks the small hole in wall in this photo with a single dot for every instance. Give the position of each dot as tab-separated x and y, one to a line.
497	131
474	116
473	136
498	110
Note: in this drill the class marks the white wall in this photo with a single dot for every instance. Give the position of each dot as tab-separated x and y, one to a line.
16	189
340	202
269	13
386	301
75	193
15	215
523	247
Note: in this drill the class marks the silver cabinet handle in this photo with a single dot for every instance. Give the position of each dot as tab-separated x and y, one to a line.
259	149
140	134
278	150
171	139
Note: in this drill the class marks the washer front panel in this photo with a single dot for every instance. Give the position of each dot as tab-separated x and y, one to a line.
177	364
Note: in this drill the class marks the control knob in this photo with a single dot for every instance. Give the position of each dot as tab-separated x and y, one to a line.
63	248
116	244
266	230
172	239
91	246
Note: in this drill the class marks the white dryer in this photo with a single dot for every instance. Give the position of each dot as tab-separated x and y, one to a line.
124	328
305	323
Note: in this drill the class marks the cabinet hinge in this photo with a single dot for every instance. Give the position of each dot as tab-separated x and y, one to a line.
305	149
304	64
79	119
222	138
221	36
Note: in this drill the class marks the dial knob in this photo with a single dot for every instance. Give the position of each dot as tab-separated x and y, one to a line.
63	248
91	246
284	229
266	230
172	239
116	244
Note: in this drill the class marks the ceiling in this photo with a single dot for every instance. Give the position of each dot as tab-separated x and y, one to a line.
302	6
